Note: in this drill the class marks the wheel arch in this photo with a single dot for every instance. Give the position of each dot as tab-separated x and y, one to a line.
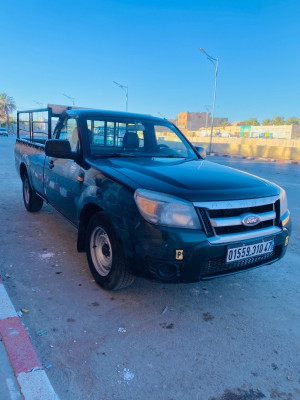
86	214
23	170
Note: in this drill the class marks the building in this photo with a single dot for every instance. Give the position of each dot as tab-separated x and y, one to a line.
252	131
190	121
271	131
199	124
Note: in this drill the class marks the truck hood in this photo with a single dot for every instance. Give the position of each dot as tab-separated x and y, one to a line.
193	180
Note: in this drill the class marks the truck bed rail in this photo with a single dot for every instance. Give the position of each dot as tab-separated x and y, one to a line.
38	125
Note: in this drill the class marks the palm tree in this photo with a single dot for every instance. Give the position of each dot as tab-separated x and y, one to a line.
267	122
278	120
252	121
293	121
7	106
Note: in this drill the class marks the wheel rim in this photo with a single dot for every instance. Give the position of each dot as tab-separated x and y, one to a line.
26	191
101	251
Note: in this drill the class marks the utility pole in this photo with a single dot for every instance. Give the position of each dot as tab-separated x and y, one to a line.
125	89
70	98
215	62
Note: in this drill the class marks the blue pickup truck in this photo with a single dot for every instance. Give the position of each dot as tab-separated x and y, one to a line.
144	199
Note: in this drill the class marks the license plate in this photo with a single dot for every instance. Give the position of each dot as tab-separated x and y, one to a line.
248	251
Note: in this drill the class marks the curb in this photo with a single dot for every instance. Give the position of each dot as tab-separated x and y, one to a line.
31	378
254	158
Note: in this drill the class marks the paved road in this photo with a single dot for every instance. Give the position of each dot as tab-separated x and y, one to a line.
233	338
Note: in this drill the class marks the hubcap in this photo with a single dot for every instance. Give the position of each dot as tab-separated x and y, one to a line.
26	191
101	251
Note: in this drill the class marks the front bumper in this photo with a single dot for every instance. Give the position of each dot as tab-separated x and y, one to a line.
182	255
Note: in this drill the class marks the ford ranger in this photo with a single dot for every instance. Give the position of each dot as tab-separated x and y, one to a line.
145	201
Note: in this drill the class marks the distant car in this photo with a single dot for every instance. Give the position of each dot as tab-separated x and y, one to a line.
3	132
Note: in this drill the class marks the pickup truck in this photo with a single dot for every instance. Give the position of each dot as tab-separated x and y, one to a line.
145	201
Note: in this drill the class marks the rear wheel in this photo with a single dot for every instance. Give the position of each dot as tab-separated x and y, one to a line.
32	201
104	255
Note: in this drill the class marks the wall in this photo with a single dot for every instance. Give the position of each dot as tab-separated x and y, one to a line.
273	131
285	149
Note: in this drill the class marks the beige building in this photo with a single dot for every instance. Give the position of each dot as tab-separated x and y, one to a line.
199	125
190	121
260	131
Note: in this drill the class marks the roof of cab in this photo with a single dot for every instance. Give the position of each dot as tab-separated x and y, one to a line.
112	114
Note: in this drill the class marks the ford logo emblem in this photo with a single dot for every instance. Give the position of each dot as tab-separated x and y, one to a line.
250	219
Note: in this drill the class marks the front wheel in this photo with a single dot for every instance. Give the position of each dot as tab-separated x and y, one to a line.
32	201
104	255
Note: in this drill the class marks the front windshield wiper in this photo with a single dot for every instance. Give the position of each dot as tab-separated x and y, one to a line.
112	155
130	155
170	156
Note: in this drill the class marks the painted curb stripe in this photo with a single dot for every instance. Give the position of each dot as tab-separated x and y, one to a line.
21	354
254	158
33	384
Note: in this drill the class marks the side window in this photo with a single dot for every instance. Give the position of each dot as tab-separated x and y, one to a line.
69	131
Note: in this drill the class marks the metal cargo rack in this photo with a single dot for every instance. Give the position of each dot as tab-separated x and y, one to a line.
39	129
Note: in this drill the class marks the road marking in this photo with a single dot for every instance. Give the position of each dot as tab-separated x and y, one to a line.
255	158
32	379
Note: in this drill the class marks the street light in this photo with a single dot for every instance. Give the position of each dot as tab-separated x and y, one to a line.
215	62
70	98
161	115
37	102
125	89
207	109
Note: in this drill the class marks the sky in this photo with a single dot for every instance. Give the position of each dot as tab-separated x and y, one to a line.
79	48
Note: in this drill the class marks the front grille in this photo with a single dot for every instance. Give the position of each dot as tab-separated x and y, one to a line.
241	228
233	212
224	218
205	222
218	266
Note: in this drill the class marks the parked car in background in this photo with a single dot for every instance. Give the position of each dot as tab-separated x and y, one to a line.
3	132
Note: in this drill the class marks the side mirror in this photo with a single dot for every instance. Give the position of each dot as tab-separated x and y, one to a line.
59	149
201	151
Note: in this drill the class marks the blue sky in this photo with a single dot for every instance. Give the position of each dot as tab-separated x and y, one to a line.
80	47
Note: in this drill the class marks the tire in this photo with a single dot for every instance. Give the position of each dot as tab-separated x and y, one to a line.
32	201
104	255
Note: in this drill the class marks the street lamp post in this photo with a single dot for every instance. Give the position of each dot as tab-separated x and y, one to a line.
215	62
125	89
161	115
206	118
39	103
70	98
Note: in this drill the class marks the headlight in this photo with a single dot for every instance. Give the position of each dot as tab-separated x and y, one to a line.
283	202
163	209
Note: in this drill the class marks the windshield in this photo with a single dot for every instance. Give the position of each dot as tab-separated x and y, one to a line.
137	138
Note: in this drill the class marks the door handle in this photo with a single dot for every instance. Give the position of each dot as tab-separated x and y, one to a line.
51	164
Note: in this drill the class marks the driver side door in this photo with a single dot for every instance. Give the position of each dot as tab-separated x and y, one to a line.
62	186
